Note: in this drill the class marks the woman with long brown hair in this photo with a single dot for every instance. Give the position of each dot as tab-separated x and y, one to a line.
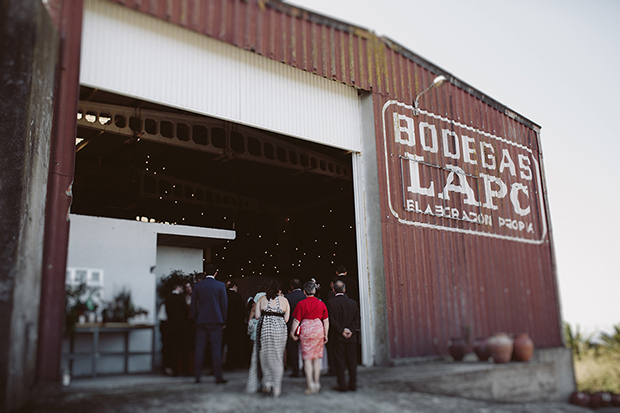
267	365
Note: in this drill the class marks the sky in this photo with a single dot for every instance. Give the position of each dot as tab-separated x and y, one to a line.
556	62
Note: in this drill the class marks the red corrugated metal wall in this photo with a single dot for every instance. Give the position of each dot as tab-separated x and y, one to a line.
455	275
443	275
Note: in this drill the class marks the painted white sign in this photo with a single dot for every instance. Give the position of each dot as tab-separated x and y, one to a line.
447	175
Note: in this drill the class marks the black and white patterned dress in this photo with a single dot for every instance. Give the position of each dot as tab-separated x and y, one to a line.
267	365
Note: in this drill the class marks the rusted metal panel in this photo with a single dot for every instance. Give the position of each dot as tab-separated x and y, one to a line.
455	272
288	34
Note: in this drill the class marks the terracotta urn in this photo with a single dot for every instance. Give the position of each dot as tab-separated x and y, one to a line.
605	398
481	348
458	348
596	400
501	347
580	398
523	347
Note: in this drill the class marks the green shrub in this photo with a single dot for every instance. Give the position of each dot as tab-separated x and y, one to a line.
597	365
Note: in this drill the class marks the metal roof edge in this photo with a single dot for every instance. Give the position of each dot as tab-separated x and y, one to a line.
459	83
315	17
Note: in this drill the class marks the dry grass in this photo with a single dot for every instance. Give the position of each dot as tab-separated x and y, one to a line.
598	372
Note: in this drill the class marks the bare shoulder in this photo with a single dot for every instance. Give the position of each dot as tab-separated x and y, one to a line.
283	300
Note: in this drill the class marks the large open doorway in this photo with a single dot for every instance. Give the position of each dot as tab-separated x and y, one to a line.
290	201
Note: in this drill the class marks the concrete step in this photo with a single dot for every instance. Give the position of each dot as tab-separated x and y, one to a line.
512	382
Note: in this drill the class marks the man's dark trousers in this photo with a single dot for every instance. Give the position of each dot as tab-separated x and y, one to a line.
345	355
213	334
292	356
292	346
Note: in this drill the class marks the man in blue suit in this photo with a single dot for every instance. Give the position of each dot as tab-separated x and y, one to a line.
209	308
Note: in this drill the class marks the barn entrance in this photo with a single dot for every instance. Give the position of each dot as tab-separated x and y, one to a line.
289	201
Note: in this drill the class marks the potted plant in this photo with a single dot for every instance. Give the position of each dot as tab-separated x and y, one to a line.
78	301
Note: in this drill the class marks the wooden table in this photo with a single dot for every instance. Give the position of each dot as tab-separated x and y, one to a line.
96	330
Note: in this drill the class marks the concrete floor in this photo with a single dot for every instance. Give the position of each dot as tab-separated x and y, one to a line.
379	390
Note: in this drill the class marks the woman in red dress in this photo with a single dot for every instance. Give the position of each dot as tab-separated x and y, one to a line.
312	318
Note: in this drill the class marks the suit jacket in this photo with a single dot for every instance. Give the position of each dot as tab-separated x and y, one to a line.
176	310
236	310
209	302
293	299
343	313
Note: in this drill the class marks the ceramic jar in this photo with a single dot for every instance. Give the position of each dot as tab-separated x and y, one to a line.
523	347
579	398
501	347
457	348
481	348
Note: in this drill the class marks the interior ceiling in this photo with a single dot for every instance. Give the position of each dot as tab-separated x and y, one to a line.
294	216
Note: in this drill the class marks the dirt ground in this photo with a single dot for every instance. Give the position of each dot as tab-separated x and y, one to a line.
156	394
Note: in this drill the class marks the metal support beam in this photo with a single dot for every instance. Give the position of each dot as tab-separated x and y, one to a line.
213	136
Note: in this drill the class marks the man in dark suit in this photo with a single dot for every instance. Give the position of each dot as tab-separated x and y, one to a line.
209	309
235	330
344	321
178	331
292	346
352	290
352	293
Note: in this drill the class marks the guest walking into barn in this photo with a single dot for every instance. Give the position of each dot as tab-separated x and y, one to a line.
178	329
292	346
312	318
209	309
234	333
344	319
267	365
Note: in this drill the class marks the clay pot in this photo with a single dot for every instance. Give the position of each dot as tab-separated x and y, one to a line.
523	347
580	398
457	348
481	348
595	400
605	398
501	347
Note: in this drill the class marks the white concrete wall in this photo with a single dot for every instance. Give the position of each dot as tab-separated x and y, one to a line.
130	258
127	253
125	250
